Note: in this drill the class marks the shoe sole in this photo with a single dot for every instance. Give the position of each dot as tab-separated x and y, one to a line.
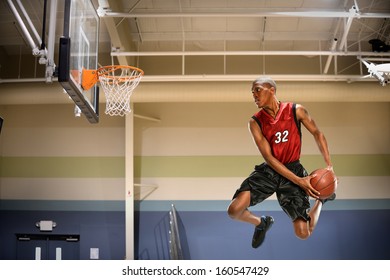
269	222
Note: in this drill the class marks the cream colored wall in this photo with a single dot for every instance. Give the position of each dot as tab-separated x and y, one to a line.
211	128
207	91
49	154
215	130
200	134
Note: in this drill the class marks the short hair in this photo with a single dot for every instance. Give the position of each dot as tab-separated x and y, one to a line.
265	80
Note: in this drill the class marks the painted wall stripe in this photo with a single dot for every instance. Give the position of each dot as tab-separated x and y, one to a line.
181	205
223	188
63	167
165	188
177	166
236	166
62	188
267	205
62	205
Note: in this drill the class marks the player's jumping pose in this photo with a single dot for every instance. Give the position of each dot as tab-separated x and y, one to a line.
276	131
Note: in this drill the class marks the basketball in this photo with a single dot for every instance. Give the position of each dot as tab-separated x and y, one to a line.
325	182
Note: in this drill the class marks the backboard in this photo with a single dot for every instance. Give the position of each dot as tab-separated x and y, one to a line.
78	51
1	123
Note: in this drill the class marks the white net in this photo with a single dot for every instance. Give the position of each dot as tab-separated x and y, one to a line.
118	83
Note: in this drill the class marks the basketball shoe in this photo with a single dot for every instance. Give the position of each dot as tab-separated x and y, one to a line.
330	198
261	230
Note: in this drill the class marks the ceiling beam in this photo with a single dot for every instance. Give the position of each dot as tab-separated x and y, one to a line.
238	78
353	13
248	53
222	77
119	41
243	13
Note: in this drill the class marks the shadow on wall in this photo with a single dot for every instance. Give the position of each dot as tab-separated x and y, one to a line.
183	239
159	246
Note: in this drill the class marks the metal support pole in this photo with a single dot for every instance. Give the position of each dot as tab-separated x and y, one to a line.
332	48
354	12
35	49
30	24
50	65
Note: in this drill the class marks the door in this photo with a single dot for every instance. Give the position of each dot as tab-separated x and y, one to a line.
47	247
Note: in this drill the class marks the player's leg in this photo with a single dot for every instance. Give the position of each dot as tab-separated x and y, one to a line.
314	214
295	203
238	209
301	228
304	229
260	185
253	190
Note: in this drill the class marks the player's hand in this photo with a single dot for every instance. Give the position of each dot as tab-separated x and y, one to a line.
330	168
308	188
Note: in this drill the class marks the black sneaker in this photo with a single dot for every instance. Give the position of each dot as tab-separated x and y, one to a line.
261	230
330	198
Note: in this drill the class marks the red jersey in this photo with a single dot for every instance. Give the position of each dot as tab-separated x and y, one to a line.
283	133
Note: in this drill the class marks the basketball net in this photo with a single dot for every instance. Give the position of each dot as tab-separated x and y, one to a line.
118	83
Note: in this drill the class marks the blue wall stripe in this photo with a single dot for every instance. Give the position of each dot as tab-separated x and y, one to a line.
180	205
268	205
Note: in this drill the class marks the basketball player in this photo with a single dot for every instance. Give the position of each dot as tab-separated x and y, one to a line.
276	131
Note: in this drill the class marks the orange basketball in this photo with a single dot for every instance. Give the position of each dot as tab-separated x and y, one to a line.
325	182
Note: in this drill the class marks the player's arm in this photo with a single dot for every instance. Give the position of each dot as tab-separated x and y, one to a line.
304	116
265	150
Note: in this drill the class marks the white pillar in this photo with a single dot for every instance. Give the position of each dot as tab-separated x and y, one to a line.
129	185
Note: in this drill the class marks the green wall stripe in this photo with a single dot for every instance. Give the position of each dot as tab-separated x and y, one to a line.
177	166
353	165
240	166
63	167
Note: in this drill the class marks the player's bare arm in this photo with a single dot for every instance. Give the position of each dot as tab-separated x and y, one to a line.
265	150
304	116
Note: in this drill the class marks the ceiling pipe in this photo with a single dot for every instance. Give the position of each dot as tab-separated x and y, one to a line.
49	61
329	60
376	59
242	78
30	24
216	78
34	47
116	39
244	13
353	12
247	53
22	80
46	55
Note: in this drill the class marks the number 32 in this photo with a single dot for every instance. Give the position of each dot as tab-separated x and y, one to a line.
281	137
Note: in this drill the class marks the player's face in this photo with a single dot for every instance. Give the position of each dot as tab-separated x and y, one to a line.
259	94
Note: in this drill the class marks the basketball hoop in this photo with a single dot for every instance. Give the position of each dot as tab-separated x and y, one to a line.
118	83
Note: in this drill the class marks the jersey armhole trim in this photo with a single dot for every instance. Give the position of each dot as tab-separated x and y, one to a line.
298	124
257	120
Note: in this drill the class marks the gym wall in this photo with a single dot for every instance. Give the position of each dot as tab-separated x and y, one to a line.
55	166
